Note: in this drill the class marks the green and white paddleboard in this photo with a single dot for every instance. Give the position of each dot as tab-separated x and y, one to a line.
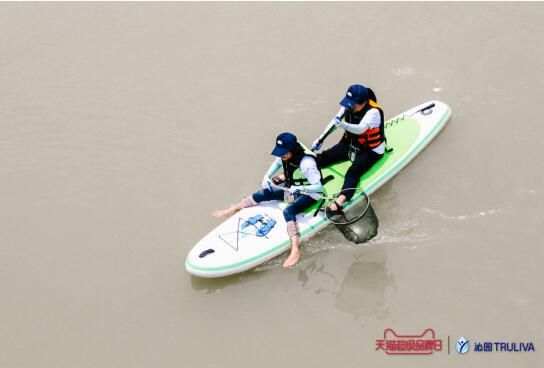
257	234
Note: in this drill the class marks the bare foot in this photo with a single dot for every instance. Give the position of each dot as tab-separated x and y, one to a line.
293	258
223	213
334	208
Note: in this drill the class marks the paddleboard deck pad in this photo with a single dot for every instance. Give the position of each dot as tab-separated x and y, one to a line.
257	234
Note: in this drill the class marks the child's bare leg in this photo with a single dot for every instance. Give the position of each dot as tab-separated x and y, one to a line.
292	230
246	202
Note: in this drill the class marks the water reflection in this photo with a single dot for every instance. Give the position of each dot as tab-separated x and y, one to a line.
358	287
363	290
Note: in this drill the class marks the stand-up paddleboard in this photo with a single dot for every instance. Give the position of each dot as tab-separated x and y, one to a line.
257	234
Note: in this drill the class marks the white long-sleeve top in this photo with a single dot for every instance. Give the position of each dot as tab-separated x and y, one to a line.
309	170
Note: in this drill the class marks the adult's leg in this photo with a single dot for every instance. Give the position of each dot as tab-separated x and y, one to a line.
362	163
297	206
337	153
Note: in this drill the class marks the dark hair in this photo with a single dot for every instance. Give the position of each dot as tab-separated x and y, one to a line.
297	149
372	95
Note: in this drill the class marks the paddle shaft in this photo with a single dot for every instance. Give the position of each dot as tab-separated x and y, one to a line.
301	192
346	111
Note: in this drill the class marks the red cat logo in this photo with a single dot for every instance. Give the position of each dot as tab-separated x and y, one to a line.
395	344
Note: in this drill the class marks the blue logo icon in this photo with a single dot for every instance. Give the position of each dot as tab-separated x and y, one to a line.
462	345
263	224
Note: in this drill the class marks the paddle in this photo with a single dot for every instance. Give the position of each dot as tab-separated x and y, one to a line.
423	110
332	128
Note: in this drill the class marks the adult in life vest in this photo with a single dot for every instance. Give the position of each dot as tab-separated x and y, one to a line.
291	156
363	141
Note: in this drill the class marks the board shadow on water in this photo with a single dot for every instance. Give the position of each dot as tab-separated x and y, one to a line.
212	285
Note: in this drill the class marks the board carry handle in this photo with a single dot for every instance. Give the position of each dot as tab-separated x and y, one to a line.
319	206
422	110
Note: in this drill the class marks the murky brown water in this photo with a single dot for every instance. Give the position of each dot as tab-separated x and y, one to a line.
122	126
